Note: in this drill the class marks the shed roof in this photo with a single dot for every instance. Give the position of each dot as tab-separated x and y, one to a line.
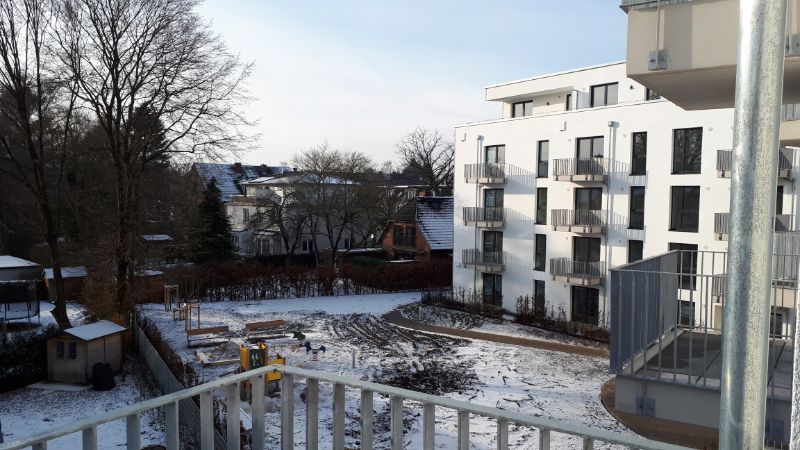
435	219
95	330
67	272
12	262
156	237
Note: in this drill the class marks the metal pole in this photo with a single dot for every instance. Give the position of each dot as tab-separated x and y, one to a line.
745	339
794	439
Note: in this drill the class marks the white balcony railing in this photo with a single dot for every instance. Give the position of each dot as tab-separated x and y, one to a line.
88	428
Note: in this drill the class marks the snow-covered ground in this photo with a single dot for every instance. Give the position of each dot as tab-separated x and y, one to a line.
29	411
532	381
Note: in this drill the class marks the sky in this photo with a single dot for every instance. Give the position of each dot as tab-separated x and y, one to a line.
361	74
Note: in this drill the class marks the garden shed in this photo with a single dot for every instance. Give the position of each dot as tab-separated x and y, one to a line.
71	355
74	279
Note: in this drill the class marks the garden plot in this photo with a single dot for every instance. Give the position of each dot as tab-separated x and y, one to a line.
533	381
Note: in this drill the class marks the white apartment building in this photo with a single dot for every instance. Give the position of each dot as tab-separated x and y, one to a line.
587	170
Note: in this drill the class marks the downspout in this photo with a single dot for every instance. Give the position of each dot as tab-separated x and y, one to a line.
612	153
478	147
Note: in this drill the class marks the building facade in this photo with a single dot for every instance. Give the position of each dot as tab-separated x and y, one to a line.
587	170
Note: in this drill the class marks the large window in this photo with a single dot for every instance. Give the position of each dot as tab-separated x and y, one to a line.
636	212
586	249
685	208
541	252
493	289
494	154
538	297
585	305
541	206
687	263
639	154
492	244
687	148
522	109
542	158
588	199
604	94
590	147
635	250
404	236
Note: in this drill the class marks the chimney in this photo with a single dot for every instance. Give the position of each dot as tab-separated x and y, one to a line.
237	167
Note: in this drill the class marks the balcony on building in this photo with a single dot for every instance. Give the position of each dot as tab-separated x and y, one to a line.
783	224
666	326
488	262
785	162
484	217
581	169
582	221
486	173
687	50
578	273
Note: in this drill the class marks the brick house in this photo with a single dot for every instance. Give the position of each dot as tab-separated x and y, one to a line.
420	230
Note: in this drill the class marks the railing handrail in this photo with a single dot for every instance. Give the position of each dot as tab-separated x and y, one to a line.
566	265
581	166
481	213
579	217
477	256
725	159
405	394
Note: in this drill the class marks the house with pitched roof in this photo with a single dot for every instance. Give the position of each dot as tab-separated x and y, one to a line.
420	230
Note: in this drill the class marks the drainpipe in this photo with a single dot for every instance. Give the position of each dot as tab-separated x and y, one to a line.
478	147
612	153
745	338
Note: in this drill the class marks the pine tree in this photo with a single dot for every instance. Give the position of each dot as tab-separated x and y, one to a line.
212	240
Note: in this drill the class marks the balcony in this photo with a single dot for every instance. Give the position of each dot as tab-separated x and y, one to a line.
581	169
687	50
486	173
484	217
790	124
91	429
725	163
489	262
588	221
783	224
579	273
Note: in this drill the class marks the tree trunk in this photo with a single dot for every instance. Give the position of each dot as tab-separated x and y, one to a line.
60	310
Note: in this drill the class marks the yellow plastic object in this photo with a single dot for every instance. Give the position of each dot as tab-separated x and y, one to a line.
275	376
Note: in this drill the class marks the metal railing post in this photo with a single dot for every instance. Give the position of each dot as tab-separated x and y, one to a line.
133	432
257	412
428	426
396	421
206	421
232	420
338	416
171	425
312	414
287	411
759	88
366	419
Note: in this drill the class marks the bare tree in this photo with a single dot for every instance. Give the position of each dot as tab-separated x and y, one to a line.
280	212
35	115
426	155
159	83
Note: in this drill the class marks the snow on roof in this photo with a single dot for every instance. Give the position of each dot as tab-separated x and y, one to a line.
148	273
156	237
95	330
228	177
435	219
12	262
67	272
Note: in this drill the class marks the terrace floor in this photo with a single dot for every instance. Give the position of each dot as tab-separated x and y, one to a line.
696	358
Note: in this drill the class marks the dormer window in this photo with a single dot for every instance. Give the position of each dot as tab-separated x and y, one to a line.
604	94
522	109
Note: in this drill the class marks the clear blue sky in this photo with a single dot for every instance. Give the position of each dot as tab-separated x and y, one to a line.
360	74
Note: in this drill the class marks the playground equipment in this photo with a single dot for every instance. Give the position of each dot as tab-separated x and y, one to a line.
314	351
170	295
255	356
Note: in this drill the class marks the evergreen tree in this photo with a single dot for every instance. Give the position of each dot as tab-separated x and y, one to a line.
212	240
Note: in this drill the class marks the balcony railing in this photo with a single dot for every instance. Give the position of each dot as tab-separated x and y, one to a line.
230	384
484	261
582	273
581	169
790	112
484	217
587	221
725	163
783	224
486	173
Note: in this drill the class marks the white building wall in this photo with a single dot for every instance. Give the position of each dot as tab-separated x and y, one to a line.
562	128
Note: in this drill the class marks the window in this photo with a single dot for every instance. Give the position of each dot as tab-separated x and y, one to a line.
686	313
492	203
308	245
569	102
779	201
494	154
586	249
245	215
650	94
404	236
60	349
541	206
347	244
585	305
492	245
636	213
543	155
639	154
604	94
635	250
590	147
493	289
685	208
538	297
687	148
235	238
588	199
541	252
687	263
73	350
521	109
776	324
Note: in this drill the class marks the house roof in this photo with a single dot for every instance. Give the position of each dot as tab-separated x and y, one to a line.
156	237
12	262
94	330
67	272
435	219
229	176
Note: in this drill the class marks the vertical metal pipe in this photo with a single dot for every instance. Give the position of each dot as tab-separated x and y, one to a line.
794	439
759	88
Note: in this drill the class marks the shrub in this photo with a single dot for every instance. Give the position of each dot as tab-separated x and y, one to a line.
365	261
556	320
24	358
